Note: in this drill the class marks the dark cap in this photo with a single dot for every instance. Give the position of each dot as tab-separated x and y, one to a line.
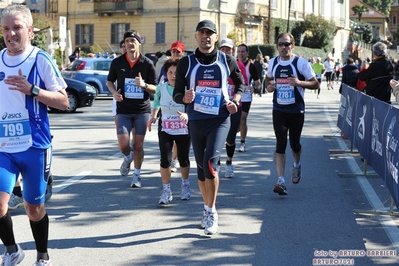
206	24
131	34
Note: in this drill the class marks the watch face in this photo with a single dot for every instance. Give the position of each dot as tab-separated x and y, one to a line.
35	91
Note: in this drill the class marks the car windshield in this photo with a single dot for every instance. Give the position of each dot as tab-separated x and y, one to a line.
101	65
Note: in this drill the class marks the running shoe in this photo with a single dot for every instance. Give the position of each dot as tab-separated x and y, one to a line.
125	167
185	191
42	262
242	147
204	219
13	258
15	202
280	188
296	175
229	171
173	168
211	227
166	197
136	182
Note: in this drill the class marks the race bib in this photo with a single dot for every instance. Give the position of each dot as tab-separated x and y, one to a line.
15	132
132	91
207	100
172	125
285	94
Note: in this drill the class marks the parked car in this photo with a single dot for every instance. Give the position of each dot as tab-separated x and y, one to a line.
93	71
80	95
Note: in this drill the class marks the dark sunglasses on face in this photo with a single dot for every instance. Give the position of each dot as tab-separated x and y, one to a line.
286	44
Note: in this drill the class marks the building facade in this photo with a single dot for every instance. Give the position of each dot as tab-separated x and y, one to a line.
161	22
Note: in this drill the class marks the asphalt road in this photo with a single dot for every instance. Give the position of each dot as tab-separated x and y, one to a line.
96	219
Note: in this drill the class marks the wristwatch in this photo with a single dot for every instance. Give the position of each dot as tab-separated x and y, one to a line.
146	86
236	103
34	91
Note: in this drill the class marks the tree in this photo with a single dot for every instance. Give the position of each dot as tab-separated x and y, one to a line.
317	31
359	10
383	6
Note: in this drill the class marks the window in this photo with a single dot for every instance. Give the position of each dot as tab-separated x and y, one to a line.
394	20
33	1
117	32
160	33
84	34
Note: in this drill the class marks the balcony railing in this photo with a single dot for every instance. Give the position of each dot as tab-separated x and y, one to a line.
110	6
253	9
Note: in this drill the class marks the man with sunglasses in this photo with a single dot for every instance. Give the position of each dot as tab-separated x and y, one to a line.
287	76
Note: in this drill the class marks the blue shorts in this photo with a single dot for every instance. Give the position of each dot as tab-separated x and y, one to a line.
33	165
128	121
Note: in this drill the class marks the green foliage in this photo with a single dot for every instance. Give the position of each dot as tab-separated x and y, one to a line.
383	6
318	32
359	10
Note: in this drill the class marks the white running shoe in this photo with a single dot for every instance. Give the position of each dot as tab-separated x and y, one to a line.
242	147
229	171
42	262
204	219
15	202
212	227
136	182
166	197
173	168
13	258
125	167
185	191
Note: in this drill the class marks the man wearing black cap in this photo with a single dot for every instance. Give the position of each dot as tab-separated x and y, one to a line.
135	76
205	74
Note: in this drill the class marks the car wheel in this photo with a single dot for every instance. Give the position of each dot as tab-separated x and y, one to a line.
73	102
95	86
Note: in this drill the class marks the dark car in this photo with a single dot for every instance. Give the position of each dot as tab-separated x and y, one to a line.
93	71
80	95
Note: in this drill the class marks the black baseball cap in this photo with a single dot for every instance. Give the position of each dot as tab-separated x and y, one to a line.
206	24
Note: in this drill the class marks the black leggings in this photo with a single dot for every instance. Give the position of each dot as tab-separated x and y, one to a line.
183	144
284	123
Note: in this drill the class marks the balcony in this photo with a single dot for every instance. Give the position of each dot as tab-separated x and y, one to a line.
108	7
253	9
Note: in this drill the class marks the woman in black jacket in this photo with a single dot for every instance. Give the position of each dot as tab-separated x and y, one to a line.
349	74
379	74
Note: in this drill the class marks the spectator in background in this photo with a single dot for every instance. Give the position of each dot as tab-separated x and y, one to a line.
329	66
396	69
361	85
379	74
177	52
261	68
75	55
349	74
159	64
227	47
338	68
319	70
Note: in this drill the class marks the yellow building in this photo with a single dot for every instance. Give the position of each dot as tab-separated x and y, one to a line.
161	22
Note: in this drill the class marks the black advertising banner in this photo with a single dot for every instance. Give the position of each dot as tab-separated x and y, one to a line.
372	127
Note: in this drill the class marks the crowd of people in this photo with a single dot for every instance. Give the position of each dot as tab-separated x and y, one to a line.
201	101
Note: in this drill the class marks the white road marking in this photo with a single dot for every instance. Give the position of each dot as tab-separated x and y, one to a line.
71	181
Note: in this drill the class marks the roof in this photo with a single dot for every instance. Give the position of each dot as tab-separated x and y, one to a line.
373	13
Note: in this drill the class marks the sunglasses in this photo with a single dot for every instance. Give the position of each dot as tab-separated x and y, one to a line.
286	44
